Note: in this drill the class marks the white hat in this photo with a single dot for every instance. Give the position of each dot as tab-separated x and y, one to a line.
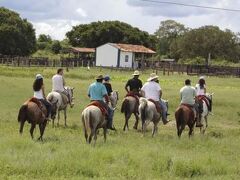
39	76
202	77
152	76
136	73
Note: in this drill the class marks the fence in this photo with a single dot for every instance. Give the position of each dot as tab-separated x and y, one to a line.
165	68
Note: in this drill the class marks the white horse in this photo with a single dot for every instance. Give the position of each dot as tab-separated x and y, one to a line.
56	97
93	119
148	113
204	114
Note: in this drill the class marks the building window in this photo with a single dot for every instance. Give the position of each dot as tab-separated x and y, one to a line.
126	58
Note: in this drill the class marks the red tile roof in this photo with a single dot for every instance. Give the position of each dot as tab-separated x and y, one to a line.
133	48
86	50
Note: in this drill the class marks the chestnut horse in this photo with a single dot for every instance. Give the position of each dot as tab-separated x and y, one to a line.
30	111
184	115
128	108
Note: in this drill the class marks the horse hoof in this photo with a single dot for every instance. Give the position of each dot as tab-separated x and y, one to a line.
134	127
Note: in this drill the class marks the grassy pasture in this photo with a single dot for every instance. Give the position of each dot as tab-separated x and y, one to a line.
126	155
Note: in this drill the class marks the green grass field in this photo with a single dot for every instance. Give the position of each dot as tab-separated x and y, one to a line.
126	155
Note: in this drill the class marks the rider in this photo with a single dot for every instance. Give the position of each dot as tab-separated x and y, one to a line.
201	91
152	90
98	92
39	93
188	97
134	84
58	84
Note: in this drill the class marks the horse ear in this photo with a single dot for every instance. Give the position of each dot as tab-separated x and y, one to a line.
73	88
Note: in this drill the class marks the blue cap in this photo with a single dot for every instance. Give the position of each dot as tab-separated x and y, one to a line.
107	78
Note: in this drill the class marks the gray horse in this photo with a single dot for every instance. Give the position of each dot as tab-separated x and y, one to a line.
93	119
128	108
55	96
148	113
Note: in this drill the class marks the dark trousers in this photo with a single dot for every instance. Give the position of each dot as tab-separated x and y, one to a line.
47	105
110	114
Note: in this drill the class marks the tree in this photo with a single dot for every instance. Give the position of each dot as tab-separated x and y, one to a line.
98	33
17	36
56	47
44	42
44	38
167	33
209	39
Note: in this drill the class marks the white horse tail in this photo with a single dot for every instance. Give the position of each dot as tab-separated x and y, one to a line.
142	108
87	123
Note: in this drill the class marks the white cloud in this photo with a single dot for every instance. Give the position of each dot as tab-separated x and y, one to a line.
56	17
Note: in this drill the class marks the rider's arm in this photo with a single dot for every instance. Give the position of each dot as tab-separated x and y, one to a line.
160	94
126	87
205	90
142	93
64	83
106	98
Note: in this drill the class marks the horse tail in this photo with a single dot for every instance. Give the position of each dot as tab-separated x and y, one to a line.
125	106
87	123
142	108
22	114
179	116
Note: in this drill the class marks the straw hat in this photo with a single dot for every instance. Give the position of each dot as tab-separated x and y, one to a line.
202	77
99	77
152	77
136	73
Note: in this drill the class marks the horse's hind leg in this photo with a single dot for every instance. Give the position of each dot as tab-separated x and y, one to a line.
127	117
136	122
65	117
32	129
180	130
90	136
58	118
43	126
21	127
190	133
53	123
105	134
154	131
95	137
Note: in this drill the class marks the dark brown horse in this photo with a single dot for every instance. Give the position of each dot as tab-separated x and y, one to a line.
184	115
35	113
128	108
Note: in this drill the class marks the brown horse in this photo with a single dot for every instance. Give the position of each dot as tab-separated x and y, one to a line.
184	115
128	108
35	113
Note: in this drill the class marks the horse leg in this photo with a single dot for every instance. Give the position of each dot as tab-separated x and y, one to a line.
127	117
136	122
21	127
90	136
95	137
190	133
58	118
32	129
180	129
105	134
145	127
65	117
53	123
43	126
154	129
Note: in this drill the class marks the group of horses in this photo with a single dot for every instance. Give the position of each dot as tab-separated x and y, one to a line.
93	118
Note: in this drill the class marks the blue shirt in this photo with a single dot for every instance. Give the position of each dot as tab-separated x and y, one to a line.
97	91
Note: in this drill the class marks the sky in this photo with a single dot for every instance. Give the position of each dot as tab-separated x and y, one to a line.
56	17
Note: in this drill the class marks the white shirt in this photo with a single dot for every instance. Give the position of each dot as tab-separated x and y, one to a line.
188	94
38	94
57	83
151	90
199	90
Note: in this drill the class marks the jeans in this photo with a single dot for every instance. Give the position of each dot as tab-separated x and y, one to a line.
47	105
164	110
110	114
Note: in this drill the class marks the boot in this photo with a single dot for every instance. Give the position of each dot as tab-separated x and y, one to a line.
165	121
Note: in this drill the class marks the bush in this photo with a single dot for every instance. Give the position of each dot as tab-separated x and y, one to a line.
196	60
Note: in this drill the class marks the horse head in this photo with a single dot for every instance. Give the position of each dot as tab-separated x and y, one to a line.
54	109
114	99
209	95
70	94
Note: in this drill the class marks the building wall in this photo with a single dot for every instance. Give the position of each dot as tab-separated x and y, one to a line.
106	55
123	62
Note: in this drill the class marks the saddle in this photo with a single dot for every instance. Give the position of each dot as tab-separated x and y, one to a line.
202	98
157	105
100	106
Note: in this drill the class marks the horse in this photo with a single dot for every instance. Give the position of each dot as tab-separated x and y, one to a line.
148	113
94	119
184	115
205	113
55	96
128	108
35	113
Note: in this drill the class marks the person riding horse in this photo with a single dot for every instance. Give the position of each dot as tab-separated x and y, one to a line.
189	98
58	84
108	86
133	87
152	90
39	93
98	92
201	92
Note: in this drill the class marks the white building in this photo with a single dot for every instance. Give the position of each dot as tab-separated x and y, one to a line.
121	55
